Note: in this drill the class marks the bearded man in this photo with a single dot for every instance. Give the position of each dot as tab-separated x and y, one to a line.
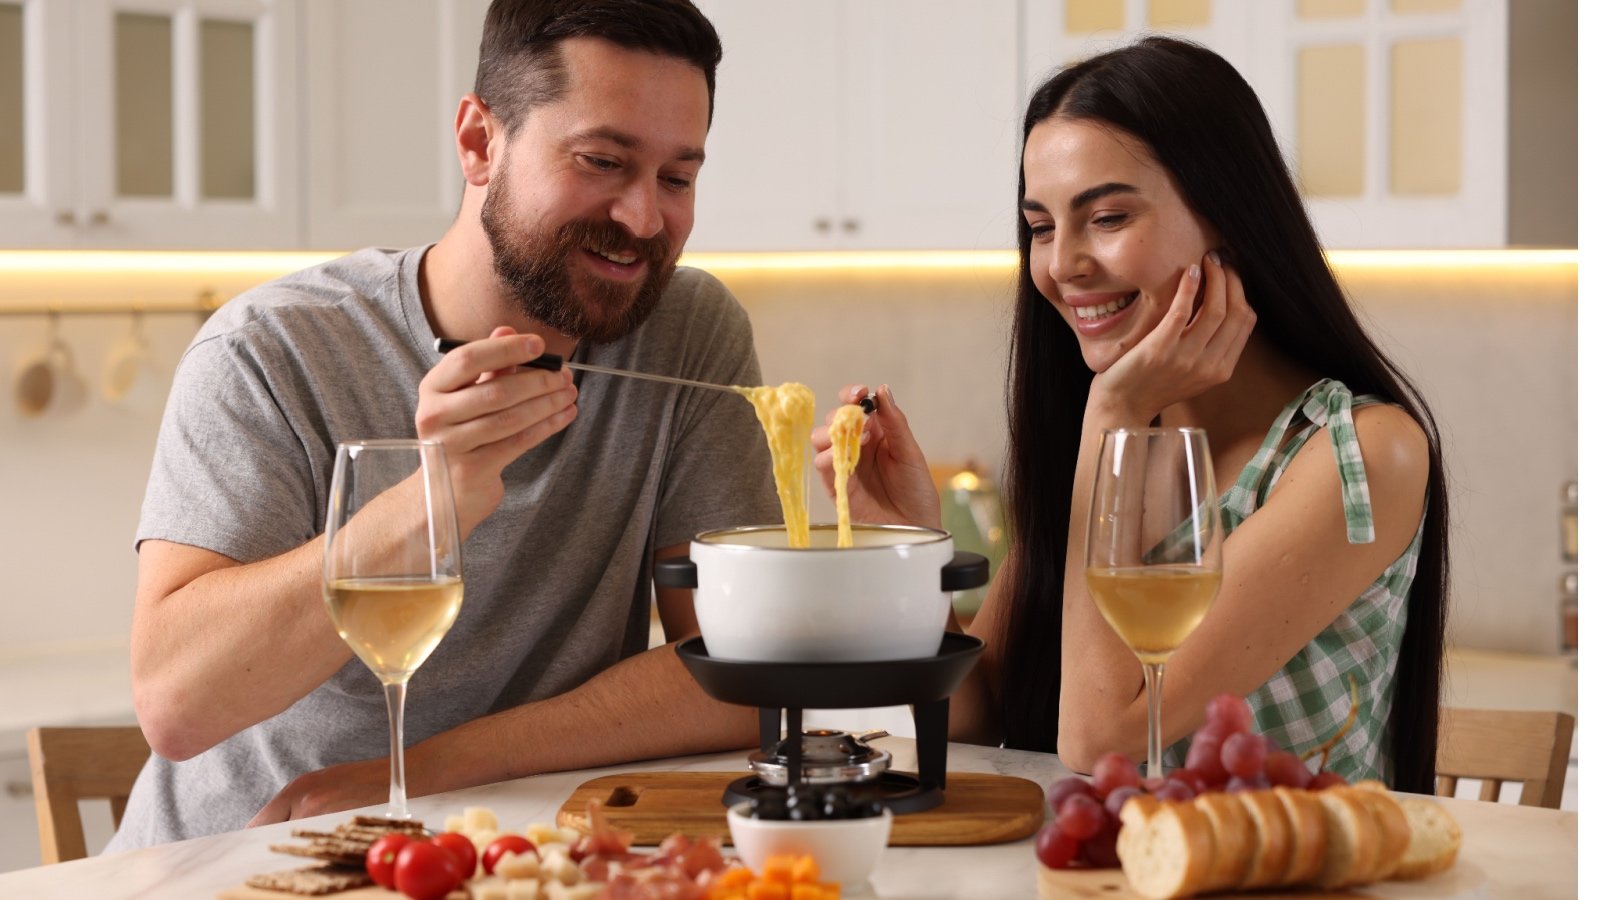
580	146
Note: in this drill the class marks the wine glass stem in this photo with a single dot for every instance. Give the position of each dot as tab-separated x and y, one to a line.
395	694
1153	673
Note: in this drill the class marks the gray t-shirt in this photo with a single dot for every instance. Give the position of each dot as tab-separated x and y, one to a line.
558	579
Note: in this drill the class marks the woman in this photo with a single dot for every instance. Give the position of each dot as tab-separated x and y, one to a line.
1170	275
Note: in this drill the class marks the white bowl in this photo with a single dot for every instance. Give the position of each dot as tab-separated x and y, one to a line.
845	850
757	599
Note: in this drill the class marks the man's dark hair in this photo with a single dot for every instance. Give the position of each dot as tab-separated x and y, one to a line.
519	59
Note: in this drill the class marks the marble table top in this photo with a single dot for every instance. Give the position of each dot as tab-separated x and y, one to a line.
1509	851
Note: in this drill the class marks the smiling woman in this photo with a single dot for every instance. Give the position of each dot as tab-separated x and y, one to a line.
1172	277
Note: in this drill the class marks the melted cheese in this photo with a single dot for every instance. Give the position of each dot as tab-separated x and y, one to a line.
786	412
845	433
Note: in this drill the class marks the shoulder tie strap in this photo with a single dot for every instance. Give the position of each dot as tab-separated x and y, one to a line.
1332	406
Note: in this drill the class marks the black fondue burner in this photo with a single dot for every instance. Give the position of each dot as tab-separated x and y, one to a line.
779	689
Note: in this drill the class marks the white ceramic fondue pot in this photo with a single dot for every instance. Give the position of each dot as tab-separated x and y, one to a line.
886	598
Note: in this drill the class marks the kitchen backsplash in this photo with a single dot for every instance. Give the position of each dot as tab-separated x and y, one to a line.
1494	348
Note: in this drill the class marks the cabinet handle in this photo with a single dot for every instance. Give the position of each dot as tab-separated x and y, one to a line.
67	218
850	226
823	226
99	217
16	790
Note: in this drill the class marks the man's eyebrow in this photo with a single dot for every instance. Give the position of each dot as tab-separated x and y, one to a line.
629	142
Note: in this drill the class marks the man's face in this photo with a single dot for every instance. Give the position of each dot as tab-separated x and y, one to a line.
590	203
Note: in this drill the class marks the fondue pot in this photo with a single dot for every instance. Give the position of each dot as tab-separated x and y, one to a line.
886	598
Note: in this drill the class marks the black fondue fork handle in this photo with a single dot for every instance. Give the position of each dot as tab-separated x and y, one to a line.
550	362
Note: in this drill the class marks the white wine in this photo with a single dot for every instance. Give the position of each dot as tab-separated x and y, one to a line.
393	624
1154	608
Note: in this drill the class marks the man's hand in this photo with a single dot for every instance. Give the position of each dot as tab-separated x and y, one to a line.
345	786
487	412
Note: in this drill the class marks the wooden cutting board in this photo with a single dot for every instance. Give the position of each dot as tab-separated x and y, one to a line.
978	808
245	892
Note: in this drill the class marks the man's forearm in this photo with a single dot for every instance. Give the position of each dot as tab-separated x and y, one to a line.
231	647
645	707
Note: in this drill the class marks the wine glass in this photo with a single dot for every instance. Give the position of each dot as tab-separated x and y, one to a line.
392	568
1155	547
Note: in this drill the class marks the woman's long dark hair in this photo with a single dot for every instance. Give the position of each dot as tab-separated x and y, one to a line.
1202	122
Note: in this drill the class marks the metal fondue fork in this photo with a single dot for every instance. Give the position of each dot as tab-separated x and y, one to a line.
552	362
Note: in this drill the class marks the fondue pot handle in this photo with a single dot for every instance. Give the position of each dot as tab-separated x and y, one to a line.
966	570
679	572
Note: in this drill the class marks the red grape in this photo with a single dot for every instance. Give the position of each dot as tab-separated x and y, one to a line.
1119	797
1192	779
1100	851
1174	791
1054	848
1080	817
1113	771
1205	760
1244	753
1066	787
1285	769
1255	783
1228	714
1152	784
1327	778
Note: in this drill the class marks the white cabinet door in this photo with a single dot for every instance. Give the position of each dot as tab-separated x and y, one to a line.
383	80
871	124
186	124
37	160
931	112
771	178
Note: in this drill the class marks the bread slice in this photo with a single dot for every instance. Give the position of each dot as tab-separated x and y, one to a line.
1233	839
1435	839
1274	840
1169	854
1308	833
1395	833
1353	839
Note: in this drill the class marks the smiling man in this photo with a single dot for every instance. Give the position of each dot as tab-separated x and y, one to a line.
580	147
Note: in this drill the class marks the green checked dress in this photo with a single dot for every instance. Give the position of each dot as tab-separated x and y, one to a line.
1308	700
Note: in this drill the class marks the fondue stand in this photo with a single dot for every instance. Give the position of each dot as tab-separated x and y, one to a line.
788	688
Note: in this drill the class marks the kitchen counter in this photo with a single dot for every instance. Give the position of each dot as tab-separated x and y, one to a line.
1500	842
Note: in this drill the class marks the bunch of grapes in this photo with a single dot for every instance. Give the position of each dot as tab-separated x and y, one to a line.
1225	755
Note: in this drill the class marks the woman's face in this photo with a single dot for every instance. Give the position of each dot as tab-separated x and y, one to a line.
1112	235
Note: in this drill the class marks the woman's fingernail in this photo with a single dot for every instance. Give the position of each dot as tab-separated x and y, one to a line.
1215	259
1194	272
884	396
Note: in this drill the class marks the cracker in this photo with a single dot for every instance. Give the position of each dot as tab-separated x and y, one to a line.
311	881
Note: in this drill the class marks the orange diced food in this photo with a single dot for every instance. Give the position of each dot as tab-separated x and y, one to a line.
737	878
767	890
779	867
805	871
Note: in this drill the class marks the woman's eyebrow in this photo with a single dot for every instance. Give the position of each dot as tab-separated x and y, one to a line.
1101	190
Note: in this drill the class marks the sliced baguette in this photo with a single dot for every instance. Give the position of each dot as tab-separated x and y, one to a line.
1435	839
1395	833
1353	839
1233	839
1269	864
1167	854
1308	832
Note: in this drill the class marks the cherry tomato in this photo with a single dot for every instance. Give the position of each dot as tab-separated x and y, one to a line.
505	845
461	848
381	855
425	871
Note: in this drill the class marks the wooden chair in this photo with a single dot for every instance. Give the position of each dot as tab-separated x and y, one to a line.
1497	745
72	764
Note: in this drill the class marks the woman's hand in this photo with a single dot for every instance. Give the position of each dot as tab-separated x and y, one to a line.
891	484
1181	358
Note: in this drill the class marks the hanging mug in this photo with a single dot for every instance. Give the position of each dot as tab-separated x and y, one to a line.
125	362
46	378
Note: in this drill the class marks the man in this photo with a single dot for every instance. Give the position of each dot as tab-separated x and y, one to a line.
580	148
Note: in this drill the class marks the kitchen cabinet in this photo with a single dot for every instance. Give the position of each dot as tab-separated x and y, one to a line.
1408	123
137	124
382	84
841	124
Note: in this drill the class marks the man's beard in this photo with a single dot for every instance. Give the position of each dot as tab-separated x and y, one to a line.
537	269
